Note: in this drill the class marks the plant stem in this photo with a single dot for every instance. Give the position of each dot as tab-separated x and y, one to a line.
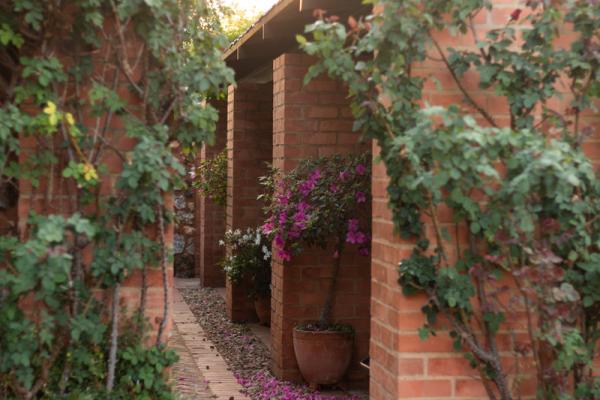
163	266
114	337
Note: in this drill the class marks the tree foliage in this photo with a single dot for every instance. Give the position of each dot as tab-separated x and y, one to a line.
212	178
85	86
236	20
521	239
321	202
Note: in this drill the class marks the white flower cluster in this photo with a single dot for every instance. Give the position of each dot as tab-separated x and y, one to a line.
251	236
266	253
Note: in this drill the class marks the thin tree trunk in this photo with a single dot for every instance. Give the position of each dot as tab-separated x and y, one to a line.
114	338
163	266
143	297
325	318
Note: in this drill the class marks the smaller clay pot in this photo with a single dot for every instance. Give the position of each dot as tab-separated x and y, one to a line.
263	310
323	356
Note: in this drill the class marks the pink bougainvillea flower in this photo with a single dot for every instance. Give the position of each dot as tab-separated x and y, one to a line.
285	255
300	217
356	237
364	251
333	188
262	386
361	197
361	169
353	225
344	175
282	218
279	242
316	175
302	206
306	187
267	228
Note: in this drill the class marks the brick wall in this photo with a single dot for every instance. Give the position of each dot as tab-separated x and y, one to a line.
58	200
402	365
55	194
311	121
210	217
249	148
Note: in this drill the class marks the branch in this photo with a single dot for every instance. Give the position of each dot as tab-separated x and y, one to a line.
467	336
466	94
124	64
114	339
163	266
438	233
485	56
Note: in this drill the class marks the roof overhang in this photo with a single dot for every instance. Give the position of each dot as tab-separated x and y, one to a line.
275	32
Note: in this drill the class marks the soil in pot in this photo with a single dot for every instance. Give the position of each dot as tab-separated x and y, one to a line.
263	310
323	356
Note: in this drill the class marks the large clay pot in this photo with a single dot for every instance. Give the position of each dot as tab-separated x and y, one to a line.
323	356
263	310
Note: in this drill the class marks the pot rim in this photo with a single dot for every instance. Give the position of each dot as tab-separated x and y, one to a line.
297	329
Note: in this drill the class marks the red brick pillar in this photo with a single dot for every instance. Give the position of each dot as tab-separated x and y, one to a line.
249	149
310	121
402	365
210	217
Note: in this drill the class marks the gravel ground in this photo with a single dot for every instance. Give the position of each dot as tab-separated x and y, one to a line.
245	354
242	351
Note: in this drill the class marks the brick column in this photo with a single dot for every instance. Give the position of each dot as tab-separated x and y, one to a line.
310	121
249	148
210	217
402	365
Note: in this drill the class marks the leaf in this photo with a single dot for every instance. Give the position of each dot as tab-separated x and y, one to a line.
301	39
424	332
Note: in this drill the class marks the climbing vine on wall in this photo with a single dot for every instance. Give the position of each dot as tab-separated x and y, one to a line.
85	87
520	238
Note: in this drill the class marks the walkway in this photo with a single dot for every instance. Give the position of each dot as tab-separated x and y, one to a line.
201	373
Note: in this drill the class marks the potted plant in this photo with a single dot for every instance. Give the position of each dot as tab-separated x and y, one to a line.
250	258
322	202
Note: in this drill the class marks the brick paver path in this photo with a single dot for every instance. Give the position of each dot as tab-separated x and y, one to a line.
205	374
189	381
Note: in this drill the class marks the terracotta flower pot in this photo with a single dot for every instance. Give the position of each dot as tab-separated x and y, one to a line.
323	356
263	310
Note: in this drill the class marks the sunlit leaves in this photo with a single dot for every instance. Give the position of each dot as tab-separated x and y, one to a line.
10	37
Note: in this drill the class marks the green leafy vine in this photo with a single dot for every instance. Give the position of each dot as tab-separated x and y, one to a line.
503	213
94	97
